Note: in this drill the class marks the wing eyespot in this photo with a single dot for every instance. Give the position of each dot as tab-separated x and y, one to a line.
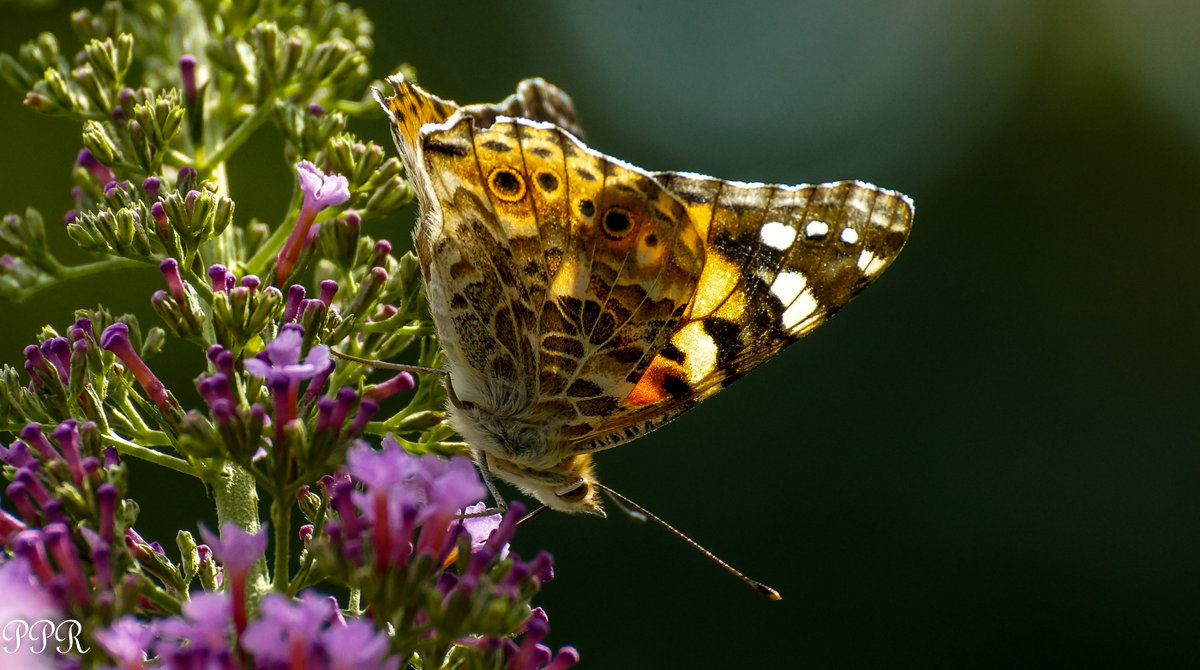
587	208
546	181
506	184
617	222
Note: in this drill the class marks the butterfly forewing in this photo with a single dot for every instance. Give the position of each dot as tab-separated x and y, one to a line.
579	289
779	261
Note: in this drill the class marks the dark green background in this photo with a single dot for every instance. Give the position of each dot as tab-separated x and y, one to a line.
991	457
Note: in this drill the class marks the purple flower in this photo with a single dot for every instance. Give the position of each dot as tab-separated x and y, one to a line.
161	222
214	389
287	633
439	486
329	288
106	499
402	381
311	633
152	186
67	436
531	655
320	191
170	270
279	363
32	434
402	491
126	640
9	527
318	382
281	357
200	637
115	338
24	599
217	274
294	298
357	645
17	455
187	73
88	162
480	528
40	369
237	550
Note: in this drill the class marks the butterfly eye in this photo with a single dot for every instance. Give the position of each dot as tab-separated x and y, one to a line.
546	181
576	494
506	184
617	222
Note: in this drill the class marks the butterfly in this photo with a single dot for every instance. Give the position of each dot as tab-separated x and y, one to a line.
582	301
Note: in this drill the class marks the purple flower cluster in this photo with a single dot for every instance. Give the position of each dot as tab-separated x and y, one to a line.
397	534
25	601
431	576
50	364
58	482
280	365
307	425
308	633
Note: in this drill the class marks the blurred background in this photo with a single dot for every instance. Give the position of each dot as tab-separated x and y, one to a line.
990	458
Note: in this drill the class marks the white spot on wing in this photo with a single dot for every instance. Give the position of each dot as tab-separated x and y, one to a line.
816	229
699	349
869	263
777	235
803	309
788	285
849	235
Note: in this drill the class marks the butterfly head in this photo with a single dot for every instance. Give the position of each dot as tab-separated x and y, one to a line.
525	449
567	487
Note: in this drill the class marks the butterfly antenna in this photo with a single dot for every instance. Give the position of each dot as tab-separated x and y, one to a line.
532	514
624	502
384	365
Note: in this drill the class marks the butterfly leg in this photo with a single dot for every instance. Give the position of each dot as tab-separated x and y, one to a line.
486	473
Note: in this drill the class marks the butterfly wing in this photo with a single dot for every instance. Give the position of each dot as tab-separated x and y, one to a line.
780	260
553	272
576	265
609	299
412	108
535	99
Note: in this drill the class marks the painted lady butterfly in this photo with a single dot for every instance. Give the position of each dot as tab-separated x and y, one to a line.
582	301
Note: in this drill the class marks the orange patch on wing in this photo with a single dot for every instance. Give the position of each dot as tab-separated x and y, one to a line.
651	388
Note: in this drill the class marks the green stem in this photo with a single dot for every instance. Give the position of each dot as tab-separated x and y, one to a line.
88	269
236	139
140	452
236	500
281	516
158	596
63	273
269	249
